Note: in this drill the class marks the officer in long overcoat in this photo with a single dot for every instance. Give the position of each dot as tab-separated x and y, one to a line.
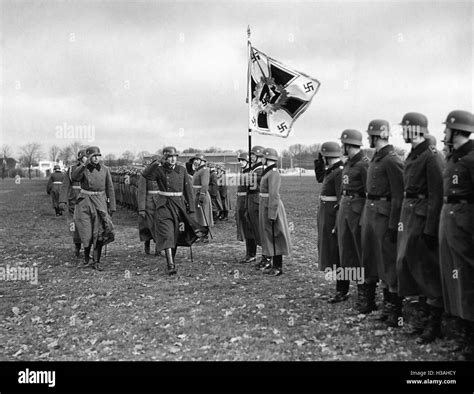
379	223
54	186
456	229
274	230
202	198
417	250
328	169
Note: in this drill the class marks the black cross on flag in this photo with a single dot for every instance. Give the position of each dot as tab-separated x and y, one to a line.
279	95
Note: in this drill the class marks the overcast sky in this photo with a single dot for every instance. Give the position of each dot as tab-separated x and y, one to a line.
144	74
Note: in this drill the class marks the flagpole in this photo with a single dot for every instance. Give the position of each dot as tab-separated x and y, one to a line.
249	94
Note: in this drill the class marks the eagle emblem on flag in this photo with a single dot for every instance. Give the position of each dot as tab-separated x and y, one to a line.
278	94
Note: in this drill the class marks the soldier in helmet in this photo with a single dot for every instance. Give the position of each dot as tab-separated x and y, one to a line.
379	224
417	250
456	230
146	192
328	168
253	201
214	192
68	195
276	241
54	186
173	226
240	209
202	198
95	205
354	179
223	192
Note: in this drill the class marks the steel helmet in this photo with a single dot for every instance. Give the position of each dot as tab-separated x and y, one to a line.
243	156
431	139
93	151
379	127
352	137
257	150
81	154
198	156
270	154
331	149
56	167
414	124
460	120
169	151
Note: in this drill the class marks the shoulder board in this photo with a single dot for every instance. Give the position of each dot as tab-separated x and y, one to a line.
274	169
433	149
393	153
365	158
341	167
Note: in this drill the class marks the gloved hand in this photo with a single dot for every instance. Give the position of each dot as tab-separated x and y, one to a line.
62	206
202	198
142	214
430	241
392	235
336	206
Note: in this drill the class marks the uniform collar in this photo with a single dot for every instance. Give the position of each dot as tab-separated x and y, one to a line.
92	166
334	166
463	150
355	159
419	149
256	165
383	152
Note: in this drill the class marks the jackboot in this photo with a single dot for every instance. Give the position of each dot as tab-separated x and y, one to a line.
395	311
170	262
87	257
77	249
386	305
433	327
265	263
249	257
368	299
342	288
147	247
96	257
277	268
419	318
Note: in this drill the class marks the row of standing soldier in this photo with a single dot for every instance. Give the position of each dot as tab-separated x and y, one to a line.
408	225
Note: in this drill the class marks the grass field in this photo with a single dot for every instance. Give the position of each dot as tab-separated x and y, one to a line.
215	309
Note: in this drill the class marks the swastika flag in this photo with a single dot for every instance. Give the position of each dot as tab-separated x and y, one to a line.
278	95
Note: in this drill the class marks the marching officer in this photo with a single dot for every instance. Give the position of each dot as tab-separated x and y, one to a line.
456	230
173	226
94	206
202	198
328	168
418	269
379	224
276	241
68	195
54	186
354	178
240	207
214	192
146	192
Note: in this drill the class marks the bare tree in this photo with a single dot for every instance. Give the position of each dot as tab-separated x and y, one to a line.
66	155
6	152
109	159
213	149
54	152
31	154
128	156
297	150
191	150
76	146
314	149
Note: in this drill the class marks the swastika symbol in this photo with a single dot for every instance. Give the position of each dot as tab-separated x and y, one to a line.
255	57
282	127
308	87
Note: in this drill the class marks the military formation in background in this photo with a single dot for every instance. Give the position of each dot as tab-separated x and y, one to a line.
407	226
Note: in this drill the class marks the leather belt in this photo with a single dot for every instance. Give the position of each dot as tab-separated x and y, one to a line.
264	195
458	199
57	183
197	186
241	194
378	198
353	194
76	187
152	192
328	198
170	194
90	193
414	195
